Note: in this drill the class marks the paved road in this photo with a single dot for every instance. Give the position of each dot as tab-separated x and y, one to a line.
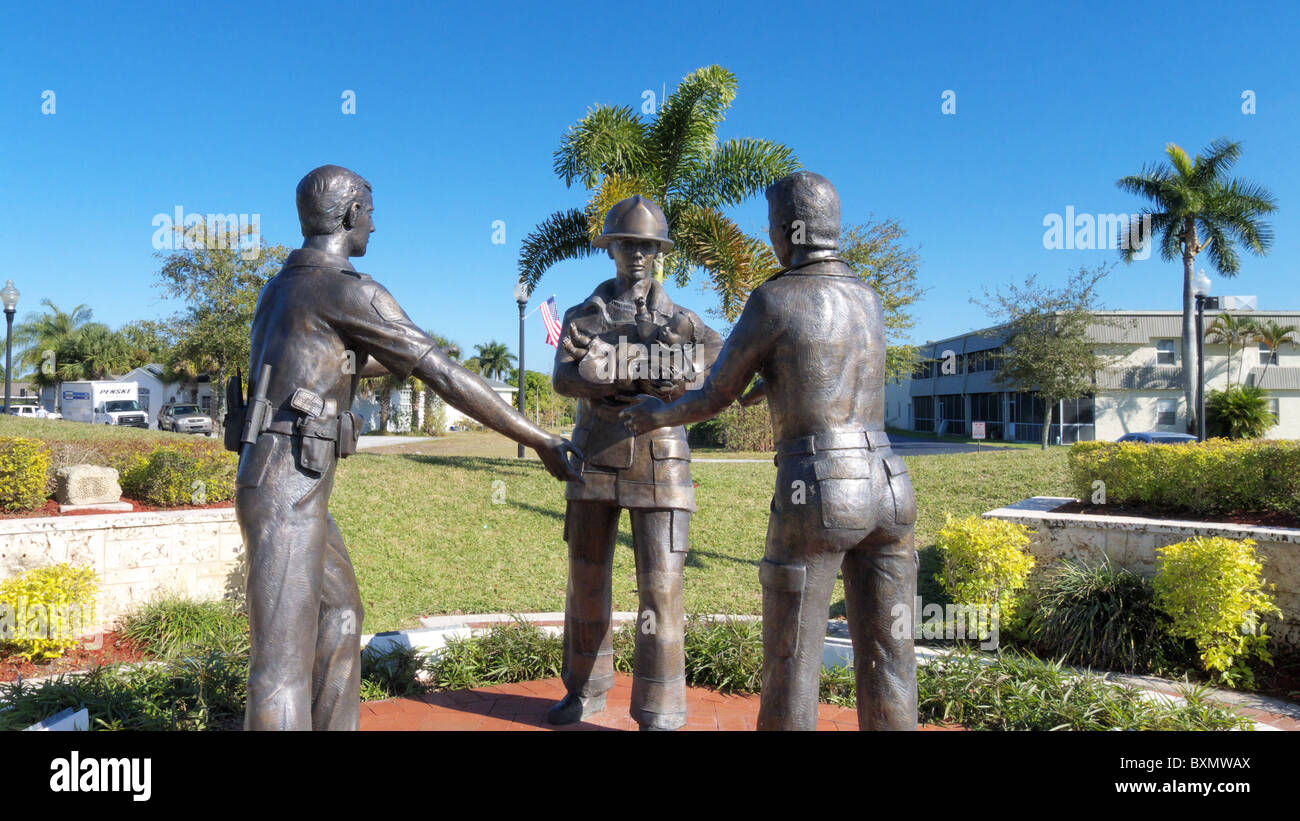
924	446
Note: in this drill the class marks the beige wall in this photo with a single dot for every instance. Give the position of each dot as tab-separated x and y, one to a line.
138	556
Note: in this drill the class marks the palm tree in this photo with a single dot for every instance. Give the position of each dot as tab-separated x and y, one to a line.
1193	198
494	359
44	335
677	160
1232	330
95	351
1272	336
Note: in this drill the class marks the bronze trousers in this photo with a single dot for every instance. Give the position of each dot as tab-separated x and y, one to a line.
873	546
304	608
659	661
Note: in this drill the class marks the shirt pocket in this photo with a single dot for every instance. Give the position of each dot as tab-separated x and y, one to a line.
844	487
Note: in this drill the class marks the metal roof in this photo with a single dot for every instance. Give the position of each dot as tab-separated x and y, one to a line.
1145	377
1275	377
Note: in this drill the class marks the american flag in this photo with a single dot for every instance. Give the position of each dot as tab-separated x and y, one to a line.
551	319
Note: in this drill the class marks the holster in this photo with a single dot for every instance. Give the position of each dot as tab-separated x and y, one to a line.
349	433
233	425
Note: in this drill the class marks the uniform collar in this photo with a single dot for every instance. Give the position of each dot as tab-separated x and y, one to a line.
315	258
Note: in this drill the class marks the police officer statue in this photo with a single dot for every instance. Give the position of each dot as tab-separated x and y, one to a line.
815	334
625	342
319	327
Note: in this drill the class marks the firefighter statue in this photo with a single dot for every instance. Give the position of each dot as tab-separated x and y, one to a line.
628	341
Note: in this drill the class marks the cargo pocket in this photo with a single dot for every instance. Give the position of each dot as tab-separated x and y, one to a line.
672	459
844	487
900	484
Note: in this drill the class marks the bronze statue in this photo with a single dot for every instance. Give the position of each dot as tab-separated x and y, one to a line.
625	342
814	333
319	327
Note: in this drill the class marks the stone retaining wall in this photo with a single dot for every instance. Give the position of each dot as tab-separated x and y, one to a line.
138	556
1131	542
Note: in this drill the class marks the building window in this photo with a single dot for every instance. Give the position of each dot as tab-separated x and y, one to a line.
1266	355
1166	413
1165	352
923	407
952	410
1275	408
987	408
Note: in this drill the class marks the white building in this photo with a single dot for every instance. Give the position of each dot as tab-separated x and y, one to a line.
154	392
1141	391
408	411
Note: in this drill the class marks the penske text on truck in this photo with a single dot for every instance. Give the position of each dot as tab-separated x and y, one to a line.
103	403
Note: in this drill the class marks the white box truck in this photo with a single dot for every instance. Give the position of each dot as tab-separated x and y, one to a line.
103	403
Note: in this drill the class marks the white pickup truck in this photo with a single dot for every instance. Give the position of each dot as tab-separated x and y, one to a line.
103	403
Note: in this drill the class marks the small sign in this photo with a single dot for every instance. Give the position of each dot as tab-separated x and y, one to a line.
977	430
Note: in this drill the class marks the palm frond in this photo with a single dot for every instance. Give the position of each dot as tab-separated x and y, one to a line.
739	262
608	140
684	133
1178	158
561	236
738	170
1219	157
1223	254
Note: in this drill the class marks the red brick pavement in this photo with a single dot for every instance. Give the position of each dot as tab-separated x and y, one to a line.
523	707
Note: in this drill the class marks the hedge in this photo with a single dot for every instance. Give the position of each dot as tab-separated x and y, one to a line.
24	467
1213	477
170	474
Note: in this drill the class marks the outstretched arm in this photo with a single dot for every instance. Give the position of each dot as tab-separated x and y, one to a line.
469	393
743	354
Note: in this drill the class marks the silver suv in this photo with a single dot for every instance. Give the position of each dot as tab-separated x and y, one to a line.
184	418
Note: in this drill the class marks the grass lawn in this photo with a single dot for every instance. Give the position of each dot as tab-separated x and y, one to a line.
426	536
429	536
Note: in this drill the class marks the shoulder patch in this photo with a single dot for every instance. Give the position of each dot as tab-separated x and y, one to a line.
386	306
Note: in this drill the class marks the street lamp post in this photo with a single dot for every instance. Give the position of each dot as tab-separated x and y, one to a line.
521	299
9	296
1201	290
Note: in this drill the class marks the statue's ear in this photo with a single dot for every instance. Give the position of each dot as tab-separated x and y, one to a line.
350	215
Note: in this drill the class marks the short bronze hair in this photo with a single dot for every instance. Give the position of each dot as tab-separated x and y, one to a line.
810	199
324	196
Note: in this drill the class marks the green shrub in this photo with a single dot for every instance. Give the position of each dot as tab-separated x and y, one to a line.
1240	412
1015	691
24	472
1104	617
1214	593
736	428
198	693
985	562
45	610
1212	477
175	475
174	627
507	653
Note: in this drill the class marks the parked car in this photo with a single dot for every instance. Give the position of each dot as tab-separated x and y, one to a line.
1158	438
32	412
184	418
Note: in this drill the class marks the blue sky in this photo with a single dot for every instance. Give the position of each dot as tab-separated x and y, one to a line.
222	108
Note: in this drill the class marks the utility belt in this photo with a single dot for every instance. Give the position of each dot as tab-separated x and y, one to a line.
321	439
811	445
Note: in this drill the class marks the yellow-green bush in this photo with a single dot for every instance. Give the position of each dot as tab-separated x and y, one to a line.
1216	476
985	561
1213	591
172	475
44	610
24	466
